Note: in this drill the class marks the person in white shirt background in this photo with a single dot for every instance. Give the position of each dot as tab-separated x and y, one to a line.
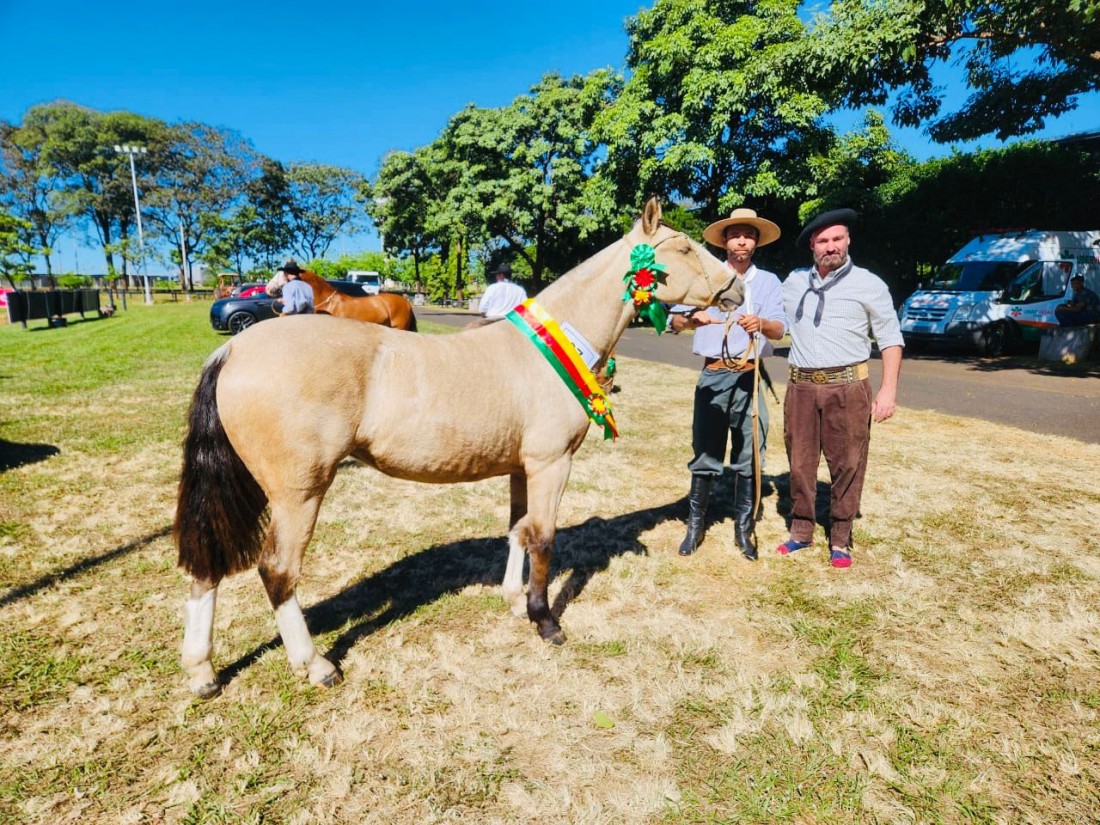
503	296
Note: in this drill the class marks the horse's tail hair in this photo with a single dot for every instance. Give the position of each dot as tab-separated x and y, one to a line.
412	321
221	511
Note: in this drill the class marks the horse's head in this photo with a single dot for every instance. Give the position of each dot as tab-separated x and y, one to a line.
275	286
691	274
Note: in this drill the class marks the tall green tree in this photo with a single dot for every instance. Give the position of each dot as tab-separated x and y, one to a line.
201	172
325	202
30	189
715	110
268	195
1024	61
526	174
13	250
849	172
77	143
402	199
549	207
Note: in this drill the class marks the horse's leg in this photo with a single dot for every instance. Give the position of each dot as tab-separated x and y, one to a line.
198	639
280	568
536	533
512	586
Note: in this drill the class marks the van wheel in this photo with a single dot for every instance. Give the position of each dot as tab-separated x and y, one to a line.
998	339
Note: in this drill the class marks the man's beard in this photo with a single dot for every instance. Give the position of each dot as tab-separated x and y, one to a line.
829	263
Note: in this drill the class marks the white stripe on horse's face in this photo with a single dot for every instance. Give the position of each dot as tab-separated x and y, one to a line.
276	284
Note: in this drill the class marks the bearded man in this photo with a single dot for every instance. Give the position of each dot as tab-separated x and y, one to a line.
834	311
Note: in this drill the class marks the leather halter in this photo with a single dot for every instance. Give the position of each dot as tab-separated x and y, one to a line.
714	293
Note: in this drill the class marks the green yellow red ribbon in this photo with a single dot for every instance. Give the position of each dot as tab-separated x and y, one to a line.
641	285
547	336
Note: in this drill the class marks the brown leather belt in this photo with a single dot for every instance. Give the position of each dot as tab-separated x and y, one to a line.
733	365
830	375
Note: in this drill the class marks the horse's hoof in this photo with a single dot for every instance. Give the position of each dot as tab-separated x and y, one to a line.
555	637
332	680
207	691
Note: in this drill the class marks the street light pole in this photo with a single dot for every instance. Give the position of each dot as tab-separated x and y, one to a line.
130	151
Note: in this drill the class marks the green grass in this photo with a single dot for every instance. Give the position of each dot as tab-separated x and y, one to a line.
947	678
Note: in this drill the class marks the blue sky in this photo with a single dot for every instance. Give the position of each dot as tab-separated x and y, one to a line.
334	82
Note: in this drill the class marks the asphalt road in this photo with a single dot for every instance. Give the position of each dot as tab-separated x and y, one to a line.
1018	391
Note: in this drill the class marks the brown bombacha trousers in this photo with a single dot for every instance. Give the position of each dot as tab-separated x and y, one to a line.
834	419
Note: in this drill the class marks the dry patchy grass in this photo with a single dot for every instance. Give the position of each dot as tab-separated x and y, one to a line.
949	676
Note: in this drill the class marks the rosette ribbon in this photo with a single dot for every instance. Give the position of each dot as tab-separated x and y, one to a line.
641	284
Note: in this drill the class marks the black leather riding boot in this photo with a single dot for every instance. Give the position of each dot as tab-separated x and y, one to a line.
744	519
697	503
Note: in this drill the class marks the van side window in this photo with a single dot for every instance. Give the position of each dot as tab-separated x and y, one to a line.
1041	281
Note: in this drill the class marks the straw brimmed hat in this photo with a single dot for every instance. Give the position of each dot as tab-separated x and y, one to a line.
714	234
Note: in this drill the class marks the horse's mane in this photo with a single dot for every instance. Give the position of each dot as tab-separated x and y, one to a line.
315	280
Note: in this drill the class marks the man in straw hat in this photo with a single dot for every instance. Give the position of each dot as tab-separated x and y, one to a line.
731	343
833	310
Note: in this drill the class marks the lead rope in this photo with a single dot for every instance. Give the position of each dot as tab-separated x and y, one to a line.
740	364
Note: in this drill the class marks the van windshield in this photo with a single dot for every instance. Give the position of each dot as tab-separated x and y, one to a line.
976	276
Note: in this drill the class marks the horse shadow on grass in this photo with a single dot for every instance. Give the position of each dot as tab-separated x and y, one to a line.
83	566
580	552
14	454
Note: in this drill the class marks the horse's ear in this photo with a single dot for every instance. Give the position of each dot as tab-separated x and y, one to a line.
651	216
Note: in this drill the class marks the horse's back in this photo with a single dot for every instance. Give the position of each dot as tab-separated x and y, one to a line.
426	407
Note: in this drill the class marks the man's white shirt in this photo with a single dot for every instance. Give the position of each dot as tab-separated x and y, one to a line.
501	298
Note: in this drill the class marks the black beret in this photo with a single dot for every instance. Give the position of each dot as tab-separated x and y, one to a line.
844	217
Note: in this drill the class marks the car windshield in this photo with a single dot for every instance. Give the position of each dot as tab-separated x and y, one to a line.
976	276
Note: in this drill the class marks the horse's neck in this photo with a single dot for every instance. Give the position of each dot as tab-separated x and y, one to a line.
589	297
321	288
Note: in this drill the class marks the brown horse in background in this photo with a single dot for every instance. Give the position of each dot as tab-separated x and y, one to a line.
385	308
407	406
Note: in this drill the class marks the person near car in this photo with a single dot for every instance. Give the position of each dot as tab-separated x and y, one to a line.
833	309
297	294
731	344
1082	308
503	296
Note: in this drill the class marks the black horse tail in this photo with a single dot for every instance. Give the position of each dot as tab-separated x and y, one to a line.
412	321
221	511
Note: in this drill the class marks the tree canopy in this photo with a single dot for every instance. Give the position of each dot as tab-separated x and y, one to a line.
1023	61
725	103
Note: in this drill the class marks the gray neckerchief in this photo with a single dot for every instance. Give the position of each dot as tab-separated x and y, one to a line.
819	291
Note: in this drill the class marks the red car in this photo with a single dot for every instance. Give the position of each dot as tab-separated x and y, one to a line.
248	292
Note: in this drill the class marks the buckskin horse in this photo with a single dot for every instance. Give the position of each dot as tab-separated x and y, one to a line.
385	308
405	405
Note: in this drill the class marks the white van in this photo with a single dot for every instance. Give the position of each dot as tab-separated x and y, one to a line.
1001	288
371	281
